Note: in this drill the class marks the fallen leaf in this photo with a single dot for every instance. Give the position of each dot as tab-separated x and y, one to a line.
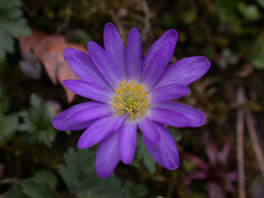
49	50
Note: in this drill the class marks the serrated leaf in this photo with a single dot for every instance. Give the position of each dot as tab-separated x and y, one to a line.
103	188
74	173
37	121
36	189
48	177
12	25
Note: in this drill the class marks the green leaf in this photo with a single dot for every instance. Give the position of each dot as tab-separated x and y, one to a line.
143	154
15	192
79	175
103	188
77	166
12	25
46	176
226	10
249	12
36	189
134	190
37	122
8	126
258	61
261	3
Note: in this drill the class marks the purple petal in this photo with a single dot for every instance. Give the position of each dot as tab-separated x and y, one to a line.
165	151
97	131
169	117
196	117
119	122
133	55
101	59
114	47
169	92
83	66
107	155
96	111
152	72
128	138
185	71
88	90
63	120
148	130
170	35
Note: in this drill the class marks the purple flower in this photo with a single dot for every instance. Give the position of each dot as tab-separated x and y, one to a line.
130	93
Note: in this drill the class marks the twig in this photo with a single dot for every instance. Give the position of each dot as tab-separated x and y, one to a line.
117	22
10	180
254	139
240	139
147	17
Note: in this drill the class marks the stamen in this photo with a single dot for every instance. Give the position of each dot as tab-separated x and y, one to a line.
130	98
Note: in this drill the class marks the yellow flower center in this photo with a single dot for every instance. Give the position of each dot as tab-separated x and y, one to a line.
130	98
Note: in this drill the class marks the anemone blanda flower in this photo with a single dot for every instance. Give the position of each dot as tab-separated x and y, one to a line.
130	93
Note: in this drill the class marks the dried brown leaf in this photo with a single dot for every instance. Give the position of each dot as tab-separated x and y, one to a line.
49	50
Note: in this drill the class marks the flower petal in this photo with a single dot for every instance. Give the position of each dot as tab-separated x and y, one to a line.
96	111
88	90
119	122
107	155
185	71
97	131
165	151
152	72
114	47
83	66
169	117
170	35
128	138
169	92
63	121
133	55
148	130
104	64
196	117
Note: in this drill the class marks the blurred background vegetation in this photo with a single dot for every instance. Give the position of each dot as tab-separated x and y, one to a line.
224	158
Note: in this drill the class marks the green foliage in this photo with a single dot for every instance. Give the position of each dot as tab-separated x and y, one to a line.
77	164
8	123
226	10
142	153
249	12
39	186
12	25
46	176
256	55
80	179
36	122
16	192
134	190
34	188
261	3
79	175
